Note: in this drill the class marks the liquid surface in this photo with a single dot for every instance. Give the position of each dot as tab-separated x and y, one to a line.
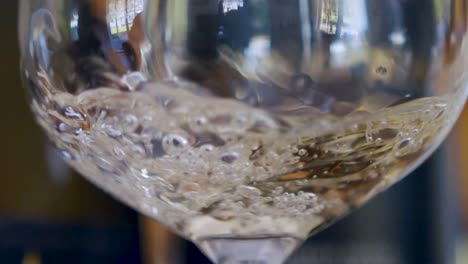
211	167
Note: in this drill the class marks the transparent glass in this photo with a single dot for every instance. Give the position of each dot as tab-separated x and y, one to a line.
245	125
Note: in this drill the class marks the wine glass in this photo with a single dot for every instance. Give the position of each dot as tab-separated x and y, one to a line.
245	125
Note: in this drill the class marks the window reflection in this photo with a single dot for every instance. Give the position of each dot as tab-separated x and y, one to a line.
354	18
232	5
329	16
346	18
121	14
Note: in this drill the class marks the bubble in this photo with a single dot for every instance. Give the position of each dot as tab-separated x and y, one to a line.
201	121
207	148
207	138
302	152
130	123
112	131
145	174
174	143
229	157
294	150
66	154
62	127
381	70
278	190
404	147
308	196
248	191
68	129
73	113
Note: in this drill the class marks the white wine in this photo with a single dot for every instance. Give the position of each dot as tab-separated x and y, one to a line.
244	125
211	167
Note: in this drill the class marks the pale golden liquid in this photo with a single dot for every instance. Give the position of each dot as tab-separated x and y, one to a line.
217	167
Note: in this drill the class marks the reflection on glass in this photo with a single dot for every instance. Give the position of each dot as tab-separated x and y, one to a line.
351	13
232	5
121	14
329	16
354	18
74	25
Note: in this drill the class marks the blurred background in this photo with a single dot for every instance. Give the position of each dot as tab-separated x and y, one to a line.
49	214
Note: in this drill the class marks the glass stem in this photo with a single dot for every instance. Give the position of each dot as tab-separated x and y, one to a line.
268	250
